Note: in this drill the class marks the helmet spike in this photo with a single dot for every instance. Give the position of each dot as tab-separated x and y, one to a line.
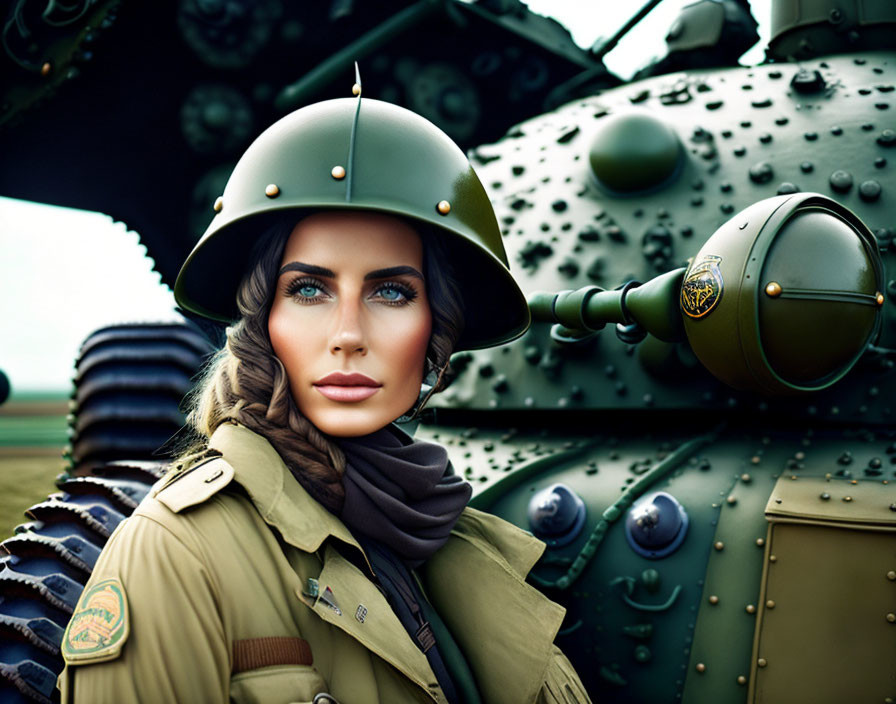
351	145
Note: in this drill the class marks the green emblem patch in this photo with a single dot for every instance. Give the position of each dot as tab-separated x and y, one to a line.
99	625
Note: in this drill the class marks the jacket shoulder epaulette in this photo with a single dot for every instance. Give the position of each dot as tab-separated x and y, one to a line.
194	485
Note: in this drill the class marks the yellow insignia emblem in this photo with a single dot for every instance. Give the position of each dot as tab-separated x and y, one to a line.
702	287
99	625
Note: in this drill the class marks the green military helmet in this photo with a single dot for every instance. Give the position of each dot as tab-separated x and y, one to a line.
359	154
784	297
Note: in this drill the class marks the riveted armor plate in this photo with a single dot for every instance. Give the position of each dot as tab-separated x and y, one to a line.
824	632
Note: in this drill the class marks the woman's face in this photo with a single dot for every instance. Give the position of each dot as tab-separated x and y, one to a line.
351	321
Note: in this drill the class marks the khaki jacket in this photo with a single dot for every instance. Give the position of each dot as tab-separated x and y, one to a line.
196	599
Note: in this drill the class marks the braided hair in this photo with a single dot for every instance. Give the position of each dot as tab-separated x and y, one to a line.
246	383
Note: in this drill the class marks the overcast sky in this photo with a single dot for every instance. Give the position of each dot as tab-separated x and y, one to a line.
65	273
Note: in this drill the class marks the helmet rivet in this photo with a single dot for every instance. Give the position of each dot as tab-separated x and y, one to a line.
356	89
444	207
46	68
272	190
338	172
880	299
219	204
773	289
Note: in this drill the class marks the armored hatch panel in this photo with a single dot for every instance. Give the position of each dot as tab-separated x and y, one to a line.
631	182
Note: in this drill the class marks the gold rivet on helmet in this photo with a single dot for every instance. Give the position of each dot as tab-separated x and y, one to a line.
356	89
46	68
338	172
219	204
880	299
773	289
444	207
272	190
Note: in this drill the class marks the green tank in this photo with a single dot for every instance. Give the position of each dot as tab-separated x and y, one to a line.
699	423
715	476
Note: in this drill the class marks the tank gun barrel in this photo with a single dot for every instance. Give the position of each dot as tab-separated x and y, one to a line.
652	306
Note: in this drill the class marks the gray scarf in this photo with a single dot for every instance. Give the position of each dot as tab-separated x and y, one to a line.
401	492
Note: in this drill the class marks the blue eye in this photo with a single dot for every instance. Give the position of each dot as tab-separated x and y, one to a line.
395	294
306	290
391	294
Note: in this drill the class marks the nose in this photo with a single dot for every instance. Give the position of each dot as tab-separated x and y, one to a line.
347	334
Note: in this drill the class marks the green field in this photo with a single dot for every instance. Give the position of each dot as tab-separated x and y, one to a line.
32	438
24	481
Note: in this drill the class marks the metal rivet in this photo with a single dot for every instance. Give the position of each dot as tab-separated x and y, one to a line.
891	575
880	299
701	667
272	190
731	500
750	609
713	600
741	679
746	478
219	204
772	558
356	89
770	604
719	545
891	617
847	499
824	496
760	542
762	662
444	207
773	289
46	68
338	172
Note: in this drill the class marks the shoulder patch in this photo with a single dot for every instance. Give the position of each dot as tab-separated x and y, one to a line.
100	625
195	485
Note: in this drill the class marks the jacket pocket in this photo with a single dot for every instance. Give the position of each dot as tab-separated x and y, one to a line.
278	684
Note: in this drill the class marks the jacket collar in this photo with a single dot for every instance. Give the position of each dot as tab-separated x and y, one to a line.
279	498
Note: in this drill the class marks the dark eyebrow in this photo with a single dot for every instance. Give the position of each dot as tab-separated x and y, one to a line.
308	269
394	271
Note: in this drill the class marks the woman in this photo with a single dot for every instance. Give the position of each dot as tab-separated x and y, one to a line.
312	551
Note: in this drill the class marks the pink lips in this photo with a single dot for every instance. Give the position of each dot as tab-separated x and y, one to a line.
340	386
